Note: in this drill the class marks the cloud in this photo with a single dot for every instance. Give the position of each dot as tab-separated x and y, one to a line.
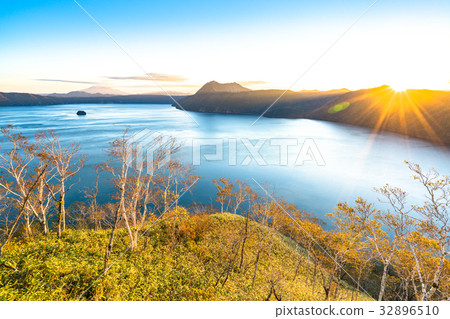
244	83
159	77
65	81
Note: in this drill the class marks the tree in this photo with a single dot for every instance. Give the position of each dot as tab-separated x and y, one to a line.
40	201
93	208
120	155
174	179
67	162
4	215
345	242
436	223
366	220
18	182
12	229
242	194
420	235
362	260
224	191
142	185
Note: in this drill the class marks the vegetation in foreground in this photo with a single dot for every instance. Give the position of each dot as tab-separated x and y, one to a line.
144	245
193	261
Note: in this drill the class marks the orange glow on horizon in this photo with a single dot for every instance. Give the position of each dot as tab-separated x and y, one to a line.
406	109
399	87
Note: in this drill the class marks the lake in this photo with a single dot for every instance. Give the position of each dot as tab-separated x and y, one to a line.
339	163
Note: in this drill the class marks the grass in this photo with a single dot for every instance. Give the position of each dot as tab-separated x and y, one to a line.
181	263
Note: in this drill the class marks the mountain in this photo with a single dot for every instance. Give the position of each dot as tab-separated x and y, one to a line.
23	99
12	99
173	93
76	94
215	87
92	91
343	90
423	114
103	90
224	98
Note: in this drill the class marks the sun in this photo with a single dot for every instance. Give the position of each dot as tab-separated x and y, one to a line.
398	87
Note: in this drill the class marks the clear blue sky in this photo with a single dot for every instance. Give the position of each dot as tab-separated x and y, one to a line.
259	43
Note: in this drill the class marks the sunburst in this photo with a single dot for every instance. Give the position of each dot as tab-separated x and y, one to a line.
399	87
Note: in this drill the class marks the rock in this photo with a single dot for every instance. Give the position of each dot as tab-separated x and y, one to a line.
81	113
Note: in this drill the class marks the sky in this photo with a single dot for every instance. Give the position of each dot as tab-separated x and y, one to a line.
51	46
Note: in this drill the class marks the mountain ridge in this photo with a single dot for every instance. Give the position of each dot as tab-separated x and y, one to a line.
28	99
423	114
92	91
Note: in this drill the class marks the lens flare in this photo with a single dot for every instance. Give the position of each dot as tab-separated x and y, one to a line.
338	107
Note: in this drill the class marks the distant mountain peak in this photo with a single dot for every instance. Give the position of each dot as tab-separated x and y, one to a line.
216	87
100	91
103	90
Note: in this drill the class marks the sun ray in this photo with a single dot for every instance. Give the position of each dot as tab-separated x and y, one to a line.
419	112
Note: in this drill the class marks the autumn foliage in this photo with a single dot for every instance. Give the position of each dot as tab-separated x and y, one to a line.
251	245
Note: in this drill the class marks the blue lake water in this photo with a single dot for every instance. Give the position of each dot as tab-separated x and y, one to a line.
354	160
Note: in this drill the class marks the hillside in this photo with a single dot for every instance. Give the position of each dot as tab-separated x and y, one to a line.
23	99
420	114
222	100
185	263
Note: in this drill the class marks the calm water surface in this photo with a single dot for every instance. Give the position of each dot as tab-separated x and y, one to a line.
354	161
